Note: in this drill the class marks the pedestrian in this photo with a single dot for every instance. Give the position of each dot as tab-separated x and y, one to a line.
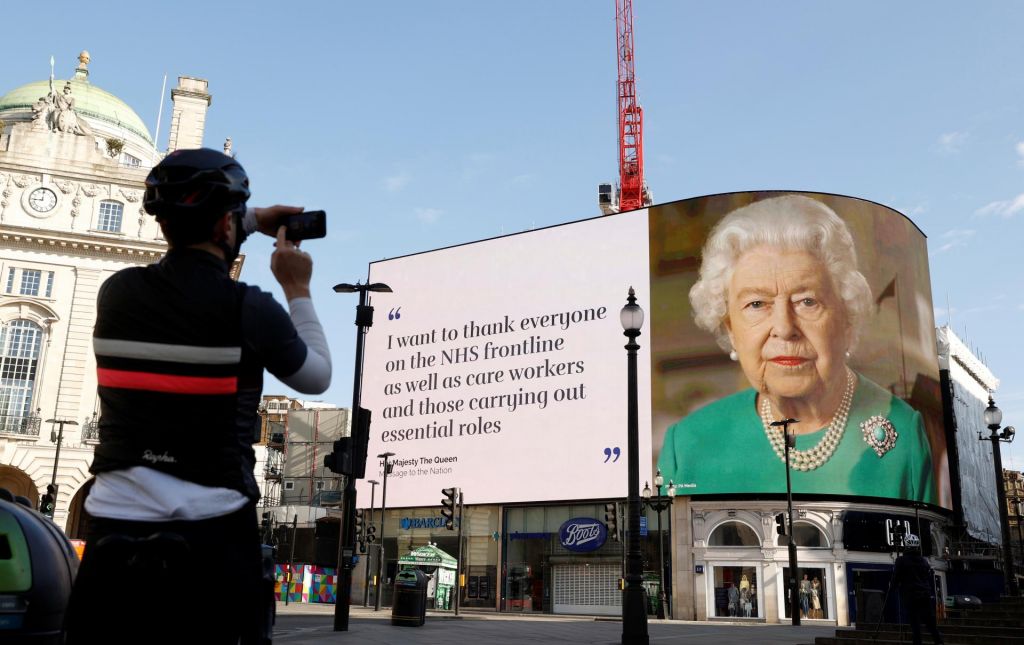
173	551
914	578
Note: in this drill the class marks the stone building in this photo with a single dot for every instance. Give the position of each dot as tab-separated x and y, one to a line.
73	159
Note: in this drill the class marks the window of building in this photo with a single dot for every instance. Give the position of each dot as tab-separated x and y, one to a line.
735	593
130	161
30	282
811	590
20	341
289	485
805	535
111	213
733	534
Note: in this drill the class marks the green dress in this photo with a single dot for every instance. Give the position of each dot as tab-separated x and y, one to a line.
722	448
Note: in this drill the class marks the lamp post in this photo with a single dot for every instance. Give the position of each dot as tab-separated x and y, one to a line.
659	504
634	596
347	535
794	598
369	551
993	417
58	438
383	505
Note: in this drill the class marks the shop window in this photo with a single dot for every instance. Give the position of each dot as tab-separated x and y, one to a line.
735	593
733	534
812	592
805	535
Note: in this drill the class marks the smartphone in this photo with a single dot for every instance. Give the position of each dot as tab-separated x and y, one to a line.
306	226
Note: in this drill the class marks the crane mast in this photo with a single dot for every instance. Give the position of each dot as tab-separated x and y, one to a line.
632	192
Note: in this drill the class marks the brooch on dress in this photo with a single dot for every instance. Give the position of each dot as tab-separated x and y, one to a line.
880	434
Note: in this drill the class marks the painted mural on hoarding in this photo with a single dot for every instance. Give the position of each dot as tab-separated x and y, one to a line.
500	368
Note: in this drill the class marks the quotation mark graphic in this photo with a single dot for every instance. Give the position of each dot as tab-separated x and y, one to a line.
394	314
608	454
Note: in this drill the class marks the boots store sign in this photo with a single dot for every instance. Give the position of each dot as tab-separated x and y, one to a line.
582	534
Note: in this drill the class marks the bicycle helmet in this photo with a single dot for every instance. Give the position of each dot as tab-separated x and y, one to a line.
189	190
191	182
912	542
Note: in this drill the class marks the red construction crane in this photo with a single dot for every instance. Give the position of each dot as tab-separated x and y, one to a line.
631	192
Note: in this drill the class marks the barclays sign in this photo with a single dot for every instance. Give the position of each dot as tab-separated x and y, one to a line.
582	534
410	523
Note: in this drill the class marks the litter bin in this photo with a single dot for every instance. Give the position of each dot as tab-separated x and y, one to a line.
409	606
37	567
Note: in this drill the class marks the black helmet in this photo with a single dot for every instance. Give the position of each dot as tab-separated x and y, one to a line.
196	182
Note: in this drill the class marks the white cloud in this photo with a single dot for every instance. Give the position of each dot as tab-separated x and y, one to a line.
914	211
952	239
520	180
951	142
428	215
1020	153
943	314
1006	208
395	183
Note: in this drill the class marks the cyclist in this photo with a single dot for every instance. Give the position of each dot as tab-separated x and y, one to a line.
173	550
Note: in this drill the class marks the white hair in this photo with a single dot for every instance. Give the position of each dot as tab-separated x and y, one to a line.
788	222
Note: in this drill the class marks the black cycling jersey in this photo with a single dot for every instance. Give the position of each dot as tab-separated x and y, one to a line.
180	351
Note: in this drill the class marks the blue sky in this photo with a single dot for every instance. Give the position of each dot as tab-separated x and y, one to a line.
423	124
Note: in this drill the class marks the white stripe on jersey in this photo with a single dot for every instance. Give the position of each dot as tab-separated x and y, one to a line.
164	352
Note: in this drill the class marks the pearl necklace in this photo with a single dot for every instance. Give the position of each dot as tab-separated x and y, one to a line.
817	456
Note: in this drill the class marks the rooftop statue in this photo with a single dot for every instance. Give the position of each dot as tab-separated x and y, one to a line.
65	119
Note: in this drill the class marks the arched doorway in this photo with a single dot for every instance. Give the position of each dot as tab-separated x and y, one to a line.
16	481
77	526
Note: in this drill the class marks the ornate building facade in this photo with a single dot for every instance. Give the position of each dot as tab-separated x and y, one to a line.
73	159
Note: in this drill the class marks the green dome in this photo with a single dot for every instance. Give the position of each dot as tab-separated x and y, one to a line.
90	102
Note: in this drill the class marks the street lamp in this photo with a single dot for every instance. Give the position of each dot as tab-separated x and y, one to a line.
369	551
993	417
383	505
794	598
634	596
659	504
347	535
58	438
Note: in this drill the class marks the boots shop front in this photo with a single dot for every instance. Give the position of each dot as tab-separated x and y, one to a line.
563	560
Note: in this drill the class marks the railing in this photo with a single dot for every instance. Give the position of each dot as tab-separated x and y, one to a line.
19	426
91	432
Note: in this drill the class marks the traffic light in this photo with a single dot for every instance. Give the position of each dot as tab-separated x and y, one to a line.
371	533
360	527
780	524
360	441
349	456
611	519
340	461
49	501
448	506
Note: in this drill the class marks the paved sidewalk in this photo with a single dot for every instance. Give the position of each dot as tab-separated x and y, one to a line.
299	624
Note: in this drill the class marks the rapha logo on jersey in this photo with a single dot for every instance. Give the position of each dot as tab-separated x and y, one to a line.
582	534
152	457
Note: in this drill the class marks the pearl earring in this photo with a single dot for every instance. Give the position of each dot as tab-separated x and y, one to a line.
734	356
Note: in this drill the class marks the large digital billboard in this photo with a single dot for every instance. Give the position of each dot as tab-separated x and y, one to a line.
499	366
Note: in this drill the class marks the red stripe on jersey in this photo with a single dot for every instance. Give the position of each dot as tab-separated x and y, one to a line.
167	382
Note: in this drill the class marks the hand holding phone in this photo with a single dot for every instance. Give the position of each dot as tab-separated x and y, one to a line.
307	225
